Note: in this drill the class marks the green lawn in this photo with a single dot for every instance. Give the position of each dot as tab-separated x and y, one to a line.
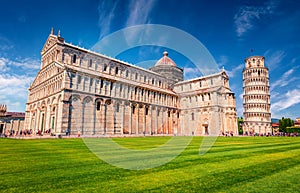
237	164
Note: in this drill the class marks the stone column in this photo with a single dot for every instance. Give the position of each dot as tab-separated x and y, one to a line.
127	118
134	122
109	117
141	119
118	117
103	118
148	121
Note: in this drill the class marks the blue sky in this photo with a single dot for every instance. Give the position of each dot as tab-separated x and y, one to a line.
228	29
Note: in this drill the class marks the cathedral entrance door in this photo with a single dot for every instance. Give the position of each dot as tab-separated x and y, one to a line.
205	127
206	130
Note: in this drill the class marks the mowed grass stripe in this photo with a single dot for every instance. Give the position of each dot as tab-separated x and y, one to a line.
198	171
68	166
283	181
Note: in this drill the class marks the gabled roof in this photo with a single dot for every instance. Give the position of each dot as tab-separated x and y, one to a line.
51	40
37	78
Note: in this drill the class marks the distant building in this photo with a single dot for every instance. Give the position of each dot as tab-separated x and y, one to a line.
10	121
257	115
297	122
78	90
275	127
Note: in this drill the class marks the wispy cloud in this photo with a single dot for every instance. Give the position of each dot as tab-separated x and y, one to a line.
285	79
289	99
5	44
106	10
139	12
190	72
231	73
222	61
7	64
15	78
246	17
15	89
273	59
134	12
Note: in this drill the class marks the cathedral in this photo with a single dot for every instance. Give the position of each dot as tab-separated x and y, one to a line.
83	92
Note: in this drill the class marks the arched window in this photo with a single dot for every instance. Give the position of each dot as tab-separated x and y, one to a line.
111	85
98	106
78	79
193	117
105	67
101	83
117	70
117	107
90	63
74	58
146	111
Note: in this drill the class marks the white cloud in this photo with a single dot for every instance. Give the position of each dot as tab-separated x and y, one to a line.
13	89
106	11
5	44
241	96
139	12
274	59
3	67
15	78
284	80
190	73
289	99
233	71
246	17
136	12
25	63
222	61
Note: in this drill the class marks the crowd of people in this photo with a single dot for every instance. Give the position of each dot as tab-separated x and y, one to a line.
26	133
20	133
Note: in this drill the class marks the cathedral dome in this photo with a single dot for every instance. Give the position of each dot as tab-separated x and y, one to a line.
165	60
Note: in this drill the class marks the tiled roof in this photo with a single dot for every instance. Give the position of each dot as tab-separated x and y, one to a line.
15	114
165	60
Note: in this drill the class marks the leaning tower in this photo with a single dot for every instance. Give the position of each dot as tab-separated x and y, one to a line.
257	115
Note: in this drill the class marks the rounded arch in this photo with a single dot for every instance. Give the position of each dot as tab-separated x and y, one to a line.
87	99
75	97
108	101
52	100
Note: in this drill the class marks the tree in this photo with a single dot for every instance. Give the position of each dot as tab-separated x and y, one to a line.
240	125
284	123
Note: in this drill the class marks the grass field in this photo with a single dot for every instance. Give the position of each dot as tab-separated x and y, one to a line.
237	164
